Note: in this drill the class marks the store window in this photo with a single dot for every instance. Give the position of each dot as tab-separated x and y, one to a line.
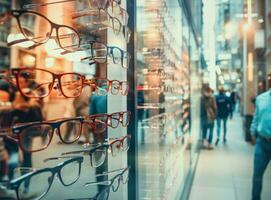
168	97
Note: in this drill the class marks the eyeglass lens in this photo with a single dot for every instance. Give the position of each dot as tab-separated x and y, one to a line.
34	87
71	84
36	137
68	39
69	173
70	131
31	188
28	23
97	157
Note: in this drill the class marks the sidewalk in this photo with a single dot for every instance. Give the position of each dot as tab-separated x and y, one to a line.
226	172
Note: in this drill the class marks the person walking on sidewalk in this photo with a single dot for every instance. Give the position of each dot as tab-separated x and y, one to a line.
208	115
233	99
223	109
261	127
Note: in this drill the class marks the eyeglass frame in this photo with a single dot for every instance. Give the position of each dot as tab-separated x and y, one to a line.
16	72
112	18
109	52
54	124
108	146
16	183
110	182
93	83
18	13
84	82
109	122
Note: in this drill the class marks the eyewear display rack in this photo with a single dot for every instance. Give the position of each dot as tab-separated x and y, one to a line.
49	57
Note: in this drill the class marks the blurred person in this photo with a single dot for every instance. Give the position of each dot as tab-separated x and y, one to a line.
24	110
261	128
233	100
223	109
4	99
208	116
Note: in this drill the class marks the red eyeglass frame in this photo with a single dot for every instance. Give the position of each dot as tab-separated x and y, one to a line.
93	83
121	140
17	71
108	121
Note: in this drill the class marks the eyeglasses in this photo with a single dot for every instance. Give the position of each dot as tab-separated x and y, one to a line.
100	52
67	37
113	183
126	32
37	136
97	3
98	153
104	4
70	84
115	5
99	17
38	182
112	120
104	86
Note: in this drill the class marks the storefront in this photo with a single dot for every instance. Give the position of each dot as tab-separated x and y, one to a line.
118	87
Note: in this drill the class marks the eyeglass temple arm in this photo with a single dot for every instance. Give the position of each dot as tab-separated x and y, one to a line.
82	199
97	183
57	158
24	169
110	172
33	5
14	42
90	58
75	152
83	13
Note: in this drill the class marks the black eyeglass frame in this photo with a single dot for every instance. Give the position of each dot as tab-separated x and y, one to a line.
18	13
16	183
